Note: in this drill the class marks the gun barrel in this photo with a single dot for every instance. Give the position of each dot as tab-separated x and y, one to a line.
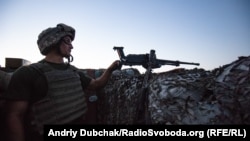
190	63
175	63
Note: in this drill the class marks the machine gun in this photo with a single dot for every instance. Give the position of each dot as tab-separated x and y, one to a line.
146	59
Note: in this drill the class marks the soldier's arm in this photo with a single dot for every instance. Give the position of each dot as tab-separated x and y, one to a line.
15	112
100	82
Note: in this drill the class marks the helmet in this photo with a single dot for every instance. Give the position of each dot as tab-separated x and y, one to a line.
51	36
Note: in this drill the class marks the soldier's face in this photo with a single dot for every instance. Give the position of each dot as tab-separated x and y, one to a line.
66	46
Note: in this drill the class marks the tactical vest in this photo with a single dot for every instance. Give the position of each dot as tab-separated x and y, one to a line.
65	100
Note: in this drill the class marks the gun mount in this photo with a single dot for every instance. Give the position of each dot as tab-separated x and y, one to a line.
146	59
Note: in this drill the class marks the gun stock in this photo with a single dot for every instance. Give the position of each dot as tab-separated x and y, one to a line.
120	52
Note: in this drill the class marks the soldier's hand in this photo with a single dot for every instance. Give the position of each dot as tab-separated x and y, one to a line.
115	65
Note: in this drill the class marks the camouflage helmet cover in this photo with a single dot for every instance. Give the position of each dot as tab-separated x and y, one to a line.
51	36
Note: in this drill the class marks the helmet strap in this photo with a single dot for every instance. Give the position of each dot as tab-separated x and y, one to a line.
70	59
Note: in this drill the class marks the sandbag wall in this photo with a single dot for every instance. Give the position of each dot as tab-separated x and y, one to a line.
180	96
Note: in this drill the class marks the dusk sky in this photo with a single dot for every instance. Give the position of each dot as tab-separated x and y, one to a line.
210	32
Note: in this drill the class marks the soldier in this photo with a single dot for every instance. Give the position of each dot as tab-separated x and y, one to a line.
50	91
